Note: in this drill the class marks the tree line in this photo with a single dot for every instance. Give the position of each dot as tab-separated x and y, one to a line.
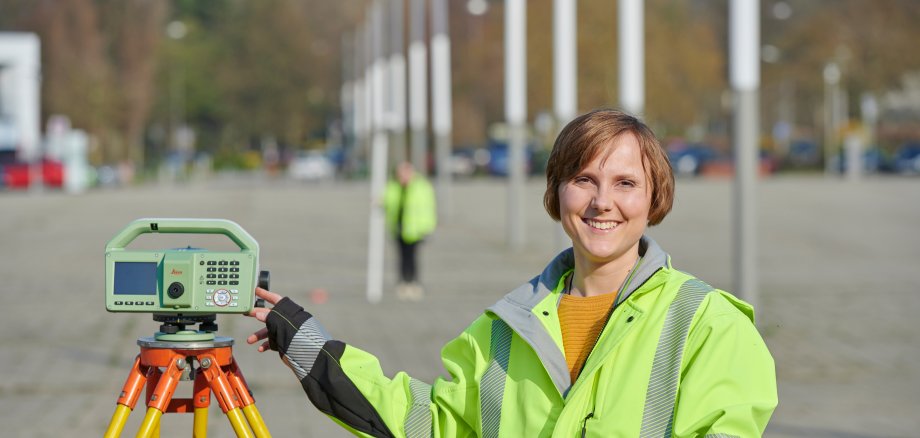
242	72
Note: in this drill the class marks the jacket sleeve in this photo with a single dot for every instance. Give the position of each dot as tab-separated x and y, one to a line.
728	383
350	386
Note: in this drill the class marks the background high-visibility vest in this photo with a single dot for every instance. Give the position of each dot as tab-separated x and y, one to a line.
419	212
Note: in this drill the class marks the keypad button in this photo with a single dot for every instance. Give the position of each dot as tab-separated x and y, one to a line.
234	269
211	262
210	282
234	262
222	262
234	282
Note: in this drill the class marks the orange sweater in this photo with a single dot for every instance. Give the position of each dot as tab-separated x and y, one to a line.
581	320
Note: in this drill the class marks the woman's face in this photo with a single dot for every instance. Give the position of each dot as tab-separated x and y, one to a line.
604	208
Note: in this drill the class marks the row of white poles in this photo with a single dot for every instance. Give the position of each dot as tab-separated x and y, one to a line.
376	107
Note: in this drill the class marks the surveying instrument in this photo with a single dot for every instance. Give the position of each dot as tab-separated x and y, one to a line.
183	288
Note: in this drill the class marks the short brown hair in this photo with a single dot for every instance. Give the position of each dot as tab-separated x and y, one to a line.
586	136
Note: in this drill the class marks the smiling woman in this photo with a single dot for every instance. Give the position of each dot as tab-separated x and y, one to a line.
609	340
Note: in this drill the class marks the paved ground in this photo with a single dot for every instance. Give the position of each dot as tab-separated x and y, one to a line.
839	293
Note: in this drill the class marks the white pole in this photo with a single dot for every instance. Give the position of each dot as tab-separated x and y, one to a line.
347	93
418	85
565	76
369	85
376	239
744	58
360	100
565	60
631	43
397	70
516	114
441	101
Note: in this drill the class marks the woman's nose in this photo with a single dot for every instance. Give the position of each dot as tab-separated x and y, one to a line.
602	200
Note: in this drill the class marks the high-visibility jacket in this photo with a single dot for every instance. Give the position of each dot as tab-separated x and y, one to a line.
676	358
419	213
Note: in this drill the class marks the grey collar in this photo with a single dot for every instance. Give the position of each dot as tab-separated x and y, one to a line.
515	308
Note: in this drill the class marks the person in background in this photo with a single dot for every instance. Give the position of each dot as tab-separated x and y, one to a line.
610	339
411	213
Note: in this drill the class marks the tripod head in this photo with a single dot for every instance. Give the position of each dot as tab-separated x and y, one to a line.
173	327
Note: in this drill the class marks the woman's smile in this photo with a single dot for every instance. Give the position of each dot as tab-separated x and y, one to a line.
601	225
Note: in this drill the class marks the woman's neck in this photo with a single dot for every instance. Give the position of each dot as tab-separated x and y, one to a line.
592	279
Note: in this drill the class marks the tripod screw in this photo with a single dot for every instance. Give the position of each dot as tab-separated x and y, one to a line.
205	363
180	364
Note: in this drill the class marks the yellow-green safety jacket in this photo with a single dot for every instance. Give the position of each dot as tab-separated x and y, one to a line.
419	213
676	358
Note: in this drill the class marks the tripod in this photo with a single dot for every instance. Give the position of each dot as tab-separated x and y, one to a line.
177	354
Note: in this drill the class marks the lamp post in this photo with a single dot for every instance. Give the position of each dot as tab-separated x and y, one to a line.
744	50
516	115
176	31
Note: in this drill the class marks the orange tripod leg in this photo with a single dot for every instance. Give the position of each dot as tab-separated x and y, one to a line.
226	397
159	400
130	393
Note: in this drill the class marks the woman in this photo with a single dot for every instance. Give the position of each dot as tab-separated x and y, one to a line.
609	340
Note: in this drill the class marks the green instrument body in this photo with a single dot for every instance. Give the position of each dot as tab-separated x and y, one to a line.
185	281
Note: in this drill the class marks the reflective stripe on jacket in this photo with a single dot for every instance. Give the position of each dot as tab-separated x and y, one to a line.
419	213
677	358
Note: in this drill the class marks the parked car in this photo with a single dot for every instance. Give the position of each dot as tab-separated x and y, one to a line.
803	154
499	159
906	159
461	163
873	161
311	166
18	175
689	159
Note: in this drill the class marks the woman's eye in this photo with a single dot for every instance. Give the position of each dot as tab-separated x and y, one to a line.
626	183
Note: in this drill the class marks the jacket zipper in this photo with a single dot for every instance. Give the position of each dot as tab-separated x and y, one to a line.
584	424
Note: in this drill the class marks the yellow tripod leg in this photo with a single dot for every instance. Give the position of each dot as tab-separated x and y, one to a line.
239	423
151	423
200	426
118	421
256	421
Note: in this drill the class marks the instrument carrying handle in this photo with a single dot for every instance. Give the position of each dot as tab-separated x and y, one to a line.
231	229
